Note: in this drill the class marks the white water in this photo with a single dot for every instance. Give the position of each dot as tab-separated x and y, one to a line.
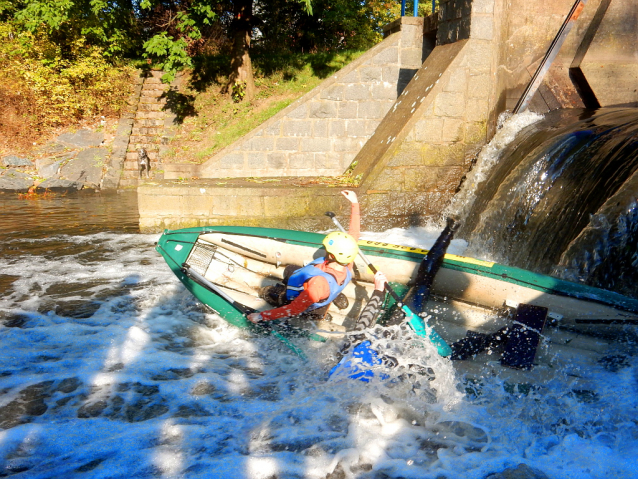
150	385
509	126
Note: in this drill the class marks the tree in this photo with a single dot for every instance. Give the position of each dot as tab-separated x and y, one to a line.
109	24
171	51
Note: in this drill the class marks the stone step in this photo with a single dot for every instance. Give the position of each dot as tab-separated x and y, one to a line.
149	115
151	94
131	154
139	123
145	131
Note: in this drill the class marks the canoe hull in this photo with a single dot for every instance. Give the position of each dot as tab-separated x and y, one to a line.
250	258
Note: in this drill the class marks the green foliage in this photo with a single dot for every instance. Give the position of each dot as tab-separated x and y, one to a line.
108	24
169	48
334	24
64	84
239	91
170	55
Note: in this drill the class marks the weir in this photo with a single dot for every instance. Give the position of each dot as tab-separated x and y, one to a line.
562	200
405	149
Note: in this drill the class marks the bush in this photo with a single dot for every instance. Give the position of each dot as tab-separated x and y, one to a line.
59	87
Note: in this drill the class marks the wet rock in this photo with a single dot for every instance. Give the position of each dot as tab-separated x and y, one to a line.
115	367
522	471
49	170
86	168
202	389
191	410
78	309
173	374
141	411
146	390
58	185
68	385
30	403
92	410
63	401
13	160
82	138
338	473
15	185
15	320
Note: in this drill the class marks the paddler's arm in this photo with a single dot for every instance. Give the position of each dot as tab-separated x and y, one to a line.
315	290
368	316
355	214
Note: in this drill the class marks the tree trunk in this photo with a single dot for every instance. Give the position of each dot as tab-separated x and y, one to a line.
240	82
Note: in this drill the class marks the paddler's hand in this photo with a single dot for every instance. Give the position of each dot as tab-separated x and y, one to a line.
255	317
351	196
379	281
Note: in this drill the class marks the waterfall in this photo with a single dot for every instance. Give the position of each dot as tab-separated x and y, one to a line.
560	198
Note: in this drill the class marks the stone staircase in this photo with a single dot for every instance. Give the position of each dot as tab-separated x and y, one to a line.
152	126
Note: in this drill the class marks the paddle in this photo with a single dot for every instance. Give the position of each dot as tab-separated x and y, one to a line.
242	308
414	321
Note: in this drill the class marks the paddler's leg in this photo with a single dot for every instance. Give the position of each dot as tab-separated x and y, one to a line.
418	295
275	295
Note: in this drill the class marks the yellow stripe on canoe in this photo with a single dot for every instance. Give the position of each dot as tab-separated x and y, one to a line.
411	249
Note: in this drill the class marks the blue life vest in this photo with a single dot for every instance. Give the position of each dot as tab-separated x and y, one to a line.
299	277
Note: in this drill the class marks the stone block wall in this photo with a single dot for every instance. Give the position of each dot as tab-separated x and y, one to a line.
238	202
454	21
321	133
420	153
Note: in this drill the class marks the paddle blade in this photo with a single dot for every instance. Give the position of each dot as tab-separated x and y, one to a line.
418	325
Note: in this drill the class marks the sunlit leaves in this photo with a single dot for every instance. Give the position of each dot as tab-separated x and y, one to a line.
170	55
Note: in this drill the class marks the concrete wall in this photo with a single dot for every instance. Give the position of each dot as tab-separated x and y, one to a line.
603	41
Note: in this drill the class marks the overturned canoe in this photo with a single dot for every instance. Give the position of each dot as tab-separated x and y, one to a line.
241	260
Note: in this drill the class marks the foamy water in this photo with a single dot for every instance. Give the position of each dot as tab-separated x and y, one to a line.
111	369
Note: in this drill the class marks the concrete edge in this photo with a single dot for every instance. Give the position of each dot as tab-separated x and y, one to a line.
375	164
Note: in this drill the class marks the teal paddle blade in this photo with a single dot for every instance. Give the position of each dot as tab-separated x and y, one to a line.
418	326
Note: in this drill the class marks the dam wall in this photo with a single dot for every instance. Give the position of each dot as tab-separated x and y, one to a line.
407	163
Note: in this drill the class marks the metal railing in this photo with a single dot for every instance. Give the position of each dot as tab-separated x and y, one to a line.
416	7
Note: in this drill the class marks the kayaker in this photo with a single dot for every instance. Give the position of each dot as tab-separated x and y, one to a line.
315	286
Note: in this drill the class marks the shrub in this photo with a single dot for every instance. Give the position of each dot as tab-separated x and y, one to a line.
59	87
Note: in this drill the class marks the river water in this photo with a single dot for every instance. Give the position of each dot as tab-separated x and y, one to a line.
109	368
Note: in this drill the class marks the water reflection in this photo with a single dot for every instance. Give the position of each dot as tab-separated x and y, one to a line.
74	214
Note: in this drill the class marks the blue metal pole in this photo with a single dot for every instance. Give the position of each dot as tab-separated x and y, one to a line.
403	8
433	5
416	8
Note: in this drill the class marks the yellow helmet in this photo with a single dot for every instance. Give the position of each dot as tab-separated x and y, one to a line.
342	246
